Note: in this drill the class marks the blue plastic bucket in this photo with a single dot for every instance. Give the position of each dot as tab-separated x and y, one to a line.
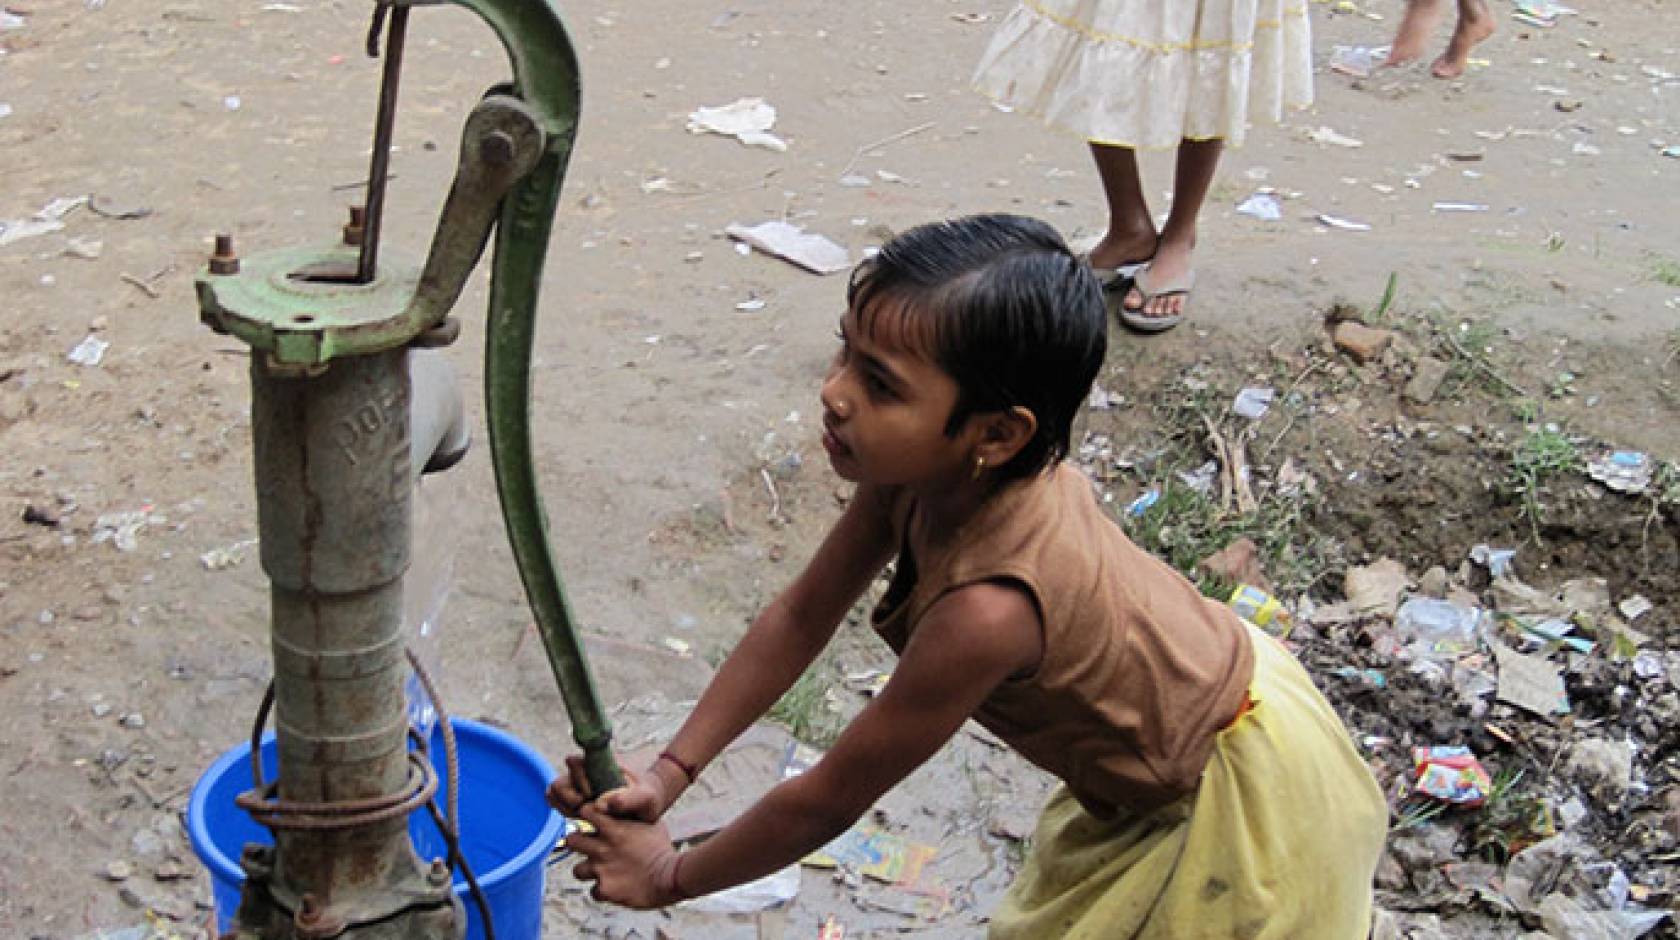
507	828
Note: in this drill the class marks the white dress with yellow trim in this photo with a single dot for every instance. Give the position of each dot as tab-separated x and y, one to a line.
1149	73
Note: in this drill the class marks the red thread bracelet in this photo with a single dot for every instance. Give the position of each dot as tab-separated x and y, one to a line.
689	770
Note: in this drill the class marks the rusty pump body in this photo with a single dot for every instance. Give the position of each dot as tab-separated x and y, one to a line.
352	399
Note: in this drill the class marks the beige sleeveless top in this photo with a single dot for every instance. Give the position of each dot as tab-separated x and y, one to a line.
1140	671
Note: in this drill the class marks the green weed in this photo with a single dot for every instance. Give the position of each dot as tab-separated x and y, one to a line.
806	709
1511	819
1666	271
1542	454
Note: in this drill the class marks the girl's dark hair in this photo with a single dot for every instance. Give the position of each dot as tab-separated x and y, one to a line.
1002	305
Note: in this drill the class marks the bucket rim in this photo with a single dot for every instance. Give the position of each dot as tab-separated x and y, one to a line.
533	854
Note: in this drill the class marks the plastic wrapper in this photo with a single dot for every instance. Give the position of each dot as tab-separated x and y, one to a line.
1450	774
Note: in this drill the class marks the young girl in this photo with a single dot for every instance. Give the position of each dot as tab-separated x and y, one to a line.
1126	75
1208	790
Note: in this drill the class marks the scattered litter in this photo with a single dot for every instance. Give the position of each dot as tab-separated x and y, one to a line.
1327	135
1541	13
1673	151
1554	630
868	682
1261	609
855	181
1201	479
1346	225
232	103
89	352
791	243
227	556
5	110
121	529
1460	207
1263	206
1139	506
748	120
110	208
49	219
1357	61
1375	588
1625	471
1101	399
1585	149
1437	629
1371	677
677	645
10	20
888	176
1635	607
1531	683
875	853
750	306
1497	561
1253	403
87	249
773	890
1450	774
831	928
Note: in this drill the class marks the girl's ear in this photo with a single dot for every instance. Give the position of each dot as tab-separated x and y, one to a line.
1004	434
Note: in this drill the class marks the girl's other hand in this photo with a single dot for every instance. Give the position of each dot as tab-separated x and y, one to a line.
632	863
642	797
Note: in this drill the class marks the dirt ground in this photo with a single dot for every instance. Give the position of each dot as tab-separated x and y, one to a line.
661	395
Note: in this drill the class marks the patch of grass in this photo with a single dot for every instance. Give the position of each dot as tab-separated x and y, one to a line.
1387	300
1666	271
1183	527
1543	453
808	711
1414	814
1511	820
1471	346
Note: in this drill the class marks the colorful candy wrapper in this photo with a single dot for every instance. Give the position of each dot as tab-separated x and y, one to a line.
1451	775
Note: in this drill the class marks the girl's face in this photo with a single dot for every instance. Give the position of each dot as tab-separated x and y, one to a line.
885	407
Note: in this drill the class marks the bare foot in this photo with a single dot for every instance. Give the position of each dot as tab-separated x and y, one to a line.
1415	30
1475	24
1172	262
1118	248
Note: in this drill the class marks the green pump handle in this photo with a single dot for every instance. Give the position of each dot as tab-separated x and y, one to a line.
519	141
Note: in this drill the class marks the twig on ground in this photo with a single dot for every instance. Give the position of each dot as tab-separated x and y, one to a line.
775	497
877	145
1486	369
144	287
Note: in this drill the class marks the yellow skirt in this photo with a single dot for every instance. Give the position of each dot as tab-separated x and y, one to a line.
1280	841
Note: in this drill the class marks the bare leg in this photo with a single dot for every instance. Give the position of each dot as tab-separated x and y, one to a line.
1415	30
1197	160
1475	23
1131	232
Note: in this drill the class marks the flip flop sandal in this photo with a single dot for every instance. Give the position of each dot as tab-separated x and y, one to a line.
1116	278
1143	322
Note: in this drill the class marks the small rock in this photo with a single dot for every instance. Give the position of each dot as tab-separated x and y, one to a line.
119	871
1238	563
1427	847
133	720
1605	766
37	515
1391	875
101	709
1376	587
1362	342
172	870
89	613
1427	377
1434	582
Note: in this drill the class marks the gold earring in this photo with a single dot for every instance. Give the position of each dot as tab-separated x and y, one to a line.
979	465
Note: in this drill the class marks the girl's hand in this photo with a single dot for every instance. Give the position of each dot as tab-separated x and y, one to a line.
643	796
632	863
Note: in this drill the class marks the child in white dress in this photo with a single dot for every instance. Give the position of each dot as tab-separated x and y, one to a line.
1126	75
